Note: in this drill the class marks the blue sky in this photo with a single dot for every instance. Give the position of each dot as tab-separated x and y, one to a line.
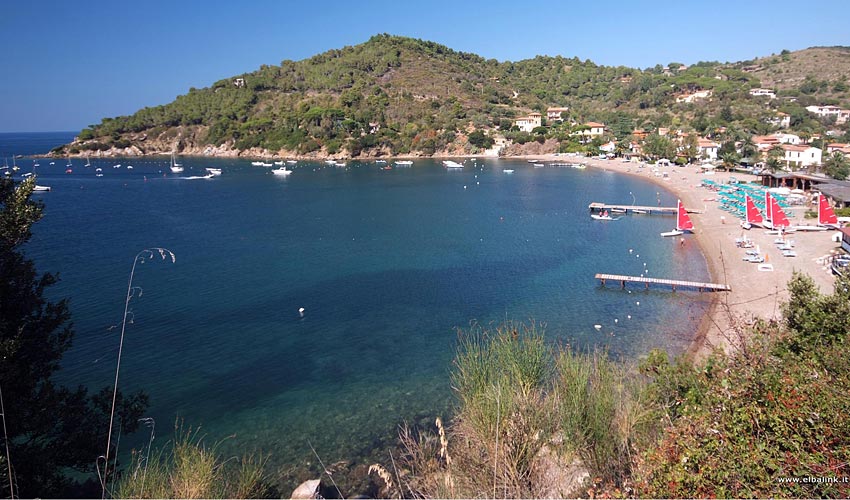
66	65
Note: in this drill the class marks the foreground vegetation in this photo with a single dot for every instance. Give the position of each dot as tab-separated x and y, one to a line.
768	420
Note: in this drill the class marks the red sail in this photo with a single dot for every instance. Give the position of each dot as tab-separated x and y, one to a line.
826	215
768	212
779	219
683	222
753	214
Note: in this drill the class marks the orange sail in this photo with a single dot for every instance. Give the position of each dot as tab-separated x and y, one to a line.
683	221
826	215
753	214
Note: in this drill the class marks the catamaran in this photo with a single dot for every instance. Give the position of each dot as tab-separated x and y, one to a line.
683	222
777	222
175	167
753	215
826	214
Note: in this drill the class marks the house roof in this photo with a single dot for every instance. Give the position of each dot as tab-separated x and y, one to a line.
594	125
800	149
840	192
557	110
705	143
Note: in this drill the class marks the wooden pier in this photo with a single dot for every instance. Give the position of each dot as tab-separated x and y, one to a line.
598	207
711	287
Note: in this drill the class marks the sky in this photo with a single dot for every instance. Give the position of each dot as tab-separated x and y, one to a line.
66	65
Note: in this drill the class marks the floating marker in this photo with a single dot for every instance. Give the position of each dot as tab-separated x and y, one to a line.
629	316
637	303
598	327
301	311
616	320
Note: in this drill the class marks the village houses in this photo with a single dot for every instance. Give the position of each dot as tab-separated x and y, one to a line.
763	93
841	115
702	94
530	122
555	113
801	156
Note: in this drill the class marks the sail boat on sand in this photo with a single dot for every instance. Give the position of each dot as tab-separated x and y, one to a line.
753	216
175	167
683	222
826	215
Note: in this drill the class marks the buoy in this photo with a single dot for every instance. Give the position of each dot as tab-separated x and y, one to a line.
616	320
637	303
631	250
301	311
598	327
629	316
464	187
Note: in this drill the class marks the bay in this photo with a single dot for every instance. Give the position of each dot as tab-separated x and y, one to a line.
387	265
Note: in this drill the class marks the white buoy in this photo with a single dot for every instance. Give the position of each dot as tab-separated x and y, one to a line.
616	320
301	311
631	250
464	187
629	316
637	303
598	327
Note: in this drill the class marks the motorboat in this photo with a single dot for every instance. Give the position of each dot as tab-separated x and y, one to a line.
214	171
282	171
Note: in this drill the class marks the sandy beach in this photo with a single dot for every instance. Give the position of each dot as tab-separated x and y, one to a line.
754	293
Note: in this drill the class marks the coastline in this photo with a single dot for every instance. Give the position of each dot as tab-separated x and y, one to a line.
755	294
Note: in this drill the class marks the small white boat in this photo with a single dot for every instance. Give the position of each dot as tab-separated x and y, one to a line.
98	175
281	171
330	162
291	162
214	171
175	167
508	171
603	217
38	188
279	163
380	161
538	165
98	169
449	164
339	164
267	164
129	167
404	162
257	163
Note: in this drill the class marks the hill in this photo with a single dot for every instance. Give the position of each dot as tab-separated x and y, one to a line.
401	96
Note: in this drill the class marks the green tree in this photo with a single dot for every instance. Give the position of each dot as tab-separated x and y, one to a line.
50	429
657	147
774	159
730	159
837	166
690	147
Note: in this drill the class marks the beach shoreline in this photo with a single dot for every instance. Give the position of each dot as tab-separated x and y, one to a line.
754	294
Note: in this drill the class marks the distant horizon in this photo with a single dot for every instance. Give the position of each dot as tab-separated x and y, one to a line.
109	62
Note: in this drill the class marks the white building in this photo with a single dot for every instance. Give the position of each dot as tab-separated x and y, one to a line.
702	94
781	120
555	113
763	93
530	122
801	156
841	115
788	138
707	149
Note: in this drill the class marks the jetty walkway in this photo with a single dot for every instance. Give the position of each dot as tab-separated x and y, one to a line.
599	206
711	287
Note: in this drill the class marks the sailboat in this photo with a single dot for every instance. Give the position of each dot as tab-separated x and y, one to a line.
753	216
683	222
175	167
778	220
826	215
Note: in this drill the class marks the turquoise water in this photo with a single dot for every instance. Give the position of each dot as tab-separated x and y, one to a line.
386	264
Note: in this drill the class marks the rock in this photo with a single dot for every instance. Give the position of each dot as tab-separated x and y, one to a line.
307	489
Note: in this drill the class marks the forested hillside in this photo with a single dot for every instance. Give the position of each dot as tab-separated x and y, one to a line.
401	96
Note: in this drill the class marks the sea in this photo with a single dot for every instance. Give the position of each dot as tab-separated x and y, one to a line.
309	316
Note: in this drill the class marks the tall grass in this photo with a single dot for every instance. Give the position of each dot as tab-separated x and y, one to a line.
187	468
527	412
